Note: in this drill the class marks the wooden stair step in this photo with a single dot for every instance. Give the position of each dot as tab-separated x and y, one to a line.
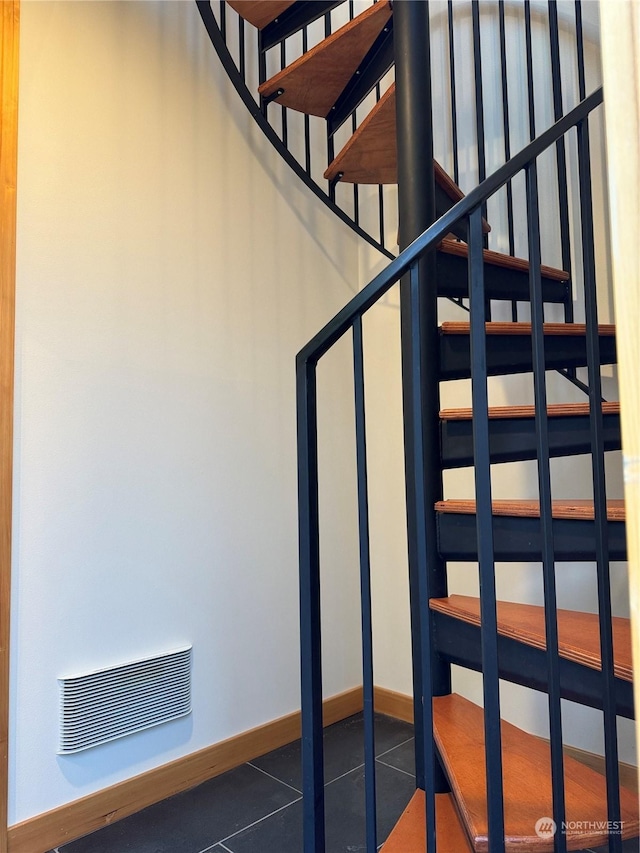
409	836
578	633
260	12
461	250
509	348
573	329
371	155
459	734
512	432
518	534
578	509
555	410
313	83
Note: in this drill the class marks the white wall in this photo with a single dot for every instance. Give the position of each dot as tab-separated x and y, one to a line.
169	268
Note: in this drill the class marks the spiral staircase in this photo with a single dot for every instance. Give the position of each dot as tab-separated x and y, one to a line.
327	81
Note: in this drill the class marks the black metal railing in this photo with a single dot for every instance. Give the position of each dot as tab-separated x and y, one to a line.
468	210
474	87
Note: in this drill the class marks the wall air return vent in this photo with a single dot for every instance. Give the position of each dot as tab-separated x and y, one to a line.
110	703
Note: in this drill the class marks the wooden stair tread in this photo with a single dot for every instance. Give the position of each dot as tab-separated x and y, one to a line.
260	12
461	250
568	509
313	83
370	156
459	734
409	836
574	329
556	410
578	633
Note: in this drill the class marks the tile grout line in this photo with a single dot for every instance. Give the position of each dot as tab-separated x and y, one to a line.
275	778
397	746
255	823
224	847
391	767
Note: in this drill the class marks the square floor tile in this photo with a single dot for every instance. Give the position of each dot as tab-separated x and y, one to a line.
401	757
345	816
193	820
343	749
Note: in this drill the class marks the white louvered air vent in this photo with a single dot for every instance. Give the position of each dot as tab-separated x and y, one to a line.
101	706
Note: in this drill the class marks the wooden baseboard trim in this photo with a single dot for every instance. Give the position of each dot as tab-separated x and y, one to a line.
400	706
73	820
628	773
393	704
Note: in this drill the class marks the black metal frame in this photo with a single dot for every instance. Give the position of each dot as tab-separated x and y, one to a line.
557	679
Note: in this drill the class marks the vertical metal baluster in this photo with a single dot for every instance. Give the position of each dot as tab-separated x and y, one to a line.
356	193
310	622
307	140
561	154
422	509
599	486
529	52
546	519
506	129
223	20
582	84
283	109
242	50
452	84
484	522
365	589
477	71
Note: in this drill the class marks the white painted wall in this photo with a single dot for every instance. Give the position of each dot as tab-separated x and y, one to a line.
169	268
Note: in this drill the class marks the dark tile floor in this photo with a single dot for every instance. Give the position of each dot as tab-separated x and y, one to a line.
257	808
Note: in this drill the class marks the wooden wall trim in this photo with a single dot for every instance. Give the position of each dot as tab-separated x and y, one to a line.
61	825
10	22
620	26
393	704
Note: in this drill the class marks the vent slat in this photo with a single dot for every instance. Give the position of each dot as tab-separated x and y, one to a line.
113	702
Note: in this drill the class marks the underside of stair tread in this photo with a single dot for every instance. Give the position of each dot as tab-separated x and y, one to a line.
577	329
456	247
578	633
260	12
313	83
459	734
371	155
571	508
409	836
556	410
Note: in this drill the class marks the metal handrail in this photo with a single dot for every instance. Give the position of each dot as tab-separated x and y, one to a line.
350	318
370	294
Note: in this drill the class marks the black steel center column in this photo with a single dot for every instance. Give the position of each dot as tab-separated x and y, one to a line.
417	210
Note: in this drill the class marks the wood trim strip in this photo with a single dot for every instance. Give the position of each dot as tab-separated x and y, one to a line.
567	509
577	329
555	410
620	39
8	181
397	705
62	825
